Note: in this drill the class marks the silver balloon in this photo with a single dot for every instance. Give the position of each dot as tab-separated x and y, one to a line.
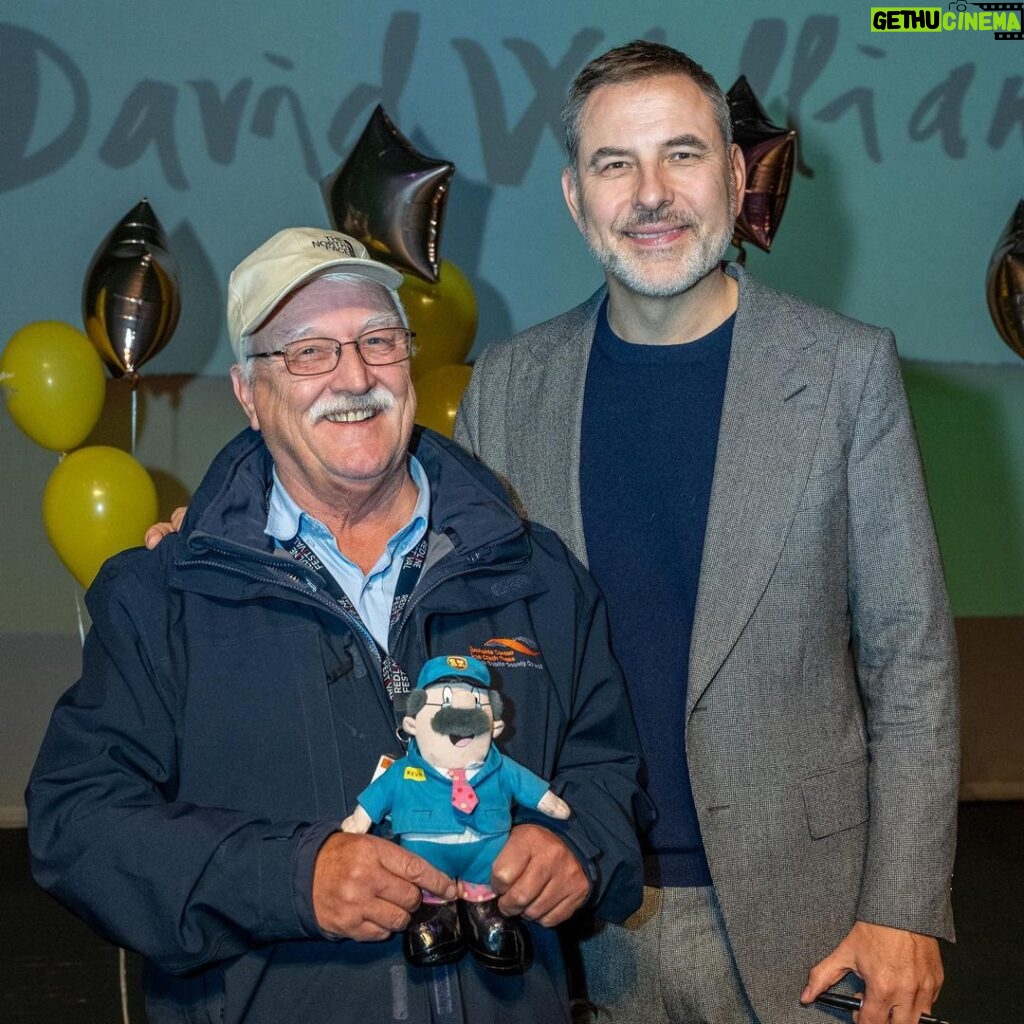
1005	282
130	300
391	197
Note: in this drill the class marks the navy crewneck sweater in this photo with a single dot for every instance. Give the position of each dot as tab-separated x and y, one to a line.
651	415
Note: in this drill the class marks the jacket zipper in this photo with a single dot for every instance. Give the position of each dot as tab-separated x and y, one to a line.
312	588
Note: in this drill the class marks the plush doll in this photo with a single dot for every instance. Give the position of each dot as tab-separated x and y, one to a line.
450	800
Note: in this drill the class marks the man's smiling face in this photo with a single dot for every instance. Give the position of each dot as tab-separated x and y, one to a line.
343	431
655	188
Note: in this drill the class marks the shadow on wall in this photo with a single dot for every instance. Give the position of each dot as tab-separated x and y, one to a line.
202	304
813	253
967	436
114	429
464	235
461	242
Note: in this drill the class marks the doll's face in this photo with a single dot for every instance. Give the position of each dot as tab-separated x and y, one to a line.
455	727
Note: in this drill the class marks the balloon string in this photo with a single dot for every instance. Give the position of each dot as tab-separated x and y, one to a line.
135	416
81	624
122	974
122	964
78	605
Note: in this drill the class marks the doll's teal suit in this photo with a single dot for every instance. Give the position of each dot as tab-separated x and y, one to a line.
419	800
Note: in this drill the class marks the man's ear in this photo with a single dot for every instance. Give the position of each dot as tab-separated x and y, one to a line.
738	171
571	192
409	725
243	392
497	728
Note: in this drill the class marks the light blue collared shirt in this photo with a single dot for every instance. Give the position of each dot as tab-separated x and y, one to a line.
373	593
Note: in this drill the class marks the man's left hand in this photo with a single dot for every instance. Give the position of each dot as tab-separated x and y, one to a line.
538	876
902	972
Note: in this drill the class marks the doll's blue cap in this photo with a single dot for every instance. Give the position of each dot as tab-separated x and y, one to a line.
454	666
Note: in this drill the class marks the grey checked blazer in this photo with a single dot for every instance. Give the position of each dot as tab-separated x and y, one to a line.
822	716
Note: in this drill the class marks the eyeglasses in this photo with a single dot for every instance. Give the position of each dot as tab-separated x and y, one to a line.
444	704
311	356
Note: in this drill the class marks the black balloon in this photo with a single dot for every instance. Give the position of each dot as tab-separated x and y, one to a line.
769	151
130	300
1005	282
391	197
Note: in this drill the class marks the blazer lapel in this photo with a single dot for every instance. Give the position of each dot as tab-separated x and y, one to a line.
775	395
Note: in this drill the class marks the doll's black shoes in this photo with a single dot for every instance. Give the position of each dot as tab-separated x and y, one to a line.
498	942
434	935
439	933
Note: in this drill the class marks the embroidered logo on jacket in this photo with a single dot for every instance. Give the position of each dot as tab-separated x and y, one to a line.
509	652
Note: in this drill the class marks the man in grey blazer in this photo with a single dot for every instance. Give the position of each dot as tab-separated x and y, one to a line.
739	470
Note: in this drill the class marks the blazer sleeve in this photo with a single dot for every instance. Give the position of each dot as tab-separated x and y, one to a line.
906	661
467	429
479	421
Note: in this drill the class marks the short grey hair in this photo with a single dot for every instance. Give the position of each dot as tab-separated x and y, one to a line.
245	360
635	62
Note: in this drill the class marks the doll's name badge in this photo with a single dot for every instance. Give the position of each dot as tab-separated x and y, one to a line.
414	774
383	764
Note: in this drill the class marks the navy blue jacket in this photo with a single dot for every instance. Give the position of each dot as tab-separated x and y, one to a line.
229	713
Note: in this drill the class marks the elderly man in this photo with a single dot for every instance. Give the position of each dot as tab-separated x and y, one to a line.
740	472
237	689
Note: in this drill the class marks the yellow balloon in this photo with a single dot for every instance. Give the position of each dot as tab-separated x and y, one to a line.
97	502
438	395
54	382
443	317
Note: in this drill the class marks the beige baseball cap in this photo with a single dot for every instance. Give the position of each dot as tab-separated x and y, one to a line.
289	259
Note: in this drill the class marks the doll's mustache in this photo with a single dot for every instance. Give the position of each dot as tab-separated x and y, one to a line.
461	722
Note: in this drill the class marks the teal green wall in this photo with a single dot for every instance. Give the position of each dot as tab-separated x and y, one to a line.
227	115
970	421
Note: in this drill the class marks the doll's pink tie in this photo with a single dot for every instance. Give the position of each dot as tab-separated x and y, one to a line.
464	797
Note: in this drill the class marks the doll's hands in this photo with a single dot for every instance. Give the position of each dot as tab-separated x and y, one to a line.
365	888
553	806
538	876
358	821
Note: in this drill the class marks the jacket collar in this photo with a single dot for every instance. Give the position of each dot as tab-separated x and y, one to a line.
467	502
470	511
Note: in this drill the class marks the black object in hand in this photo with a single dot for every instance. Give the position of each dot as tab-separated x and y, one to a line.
841	1002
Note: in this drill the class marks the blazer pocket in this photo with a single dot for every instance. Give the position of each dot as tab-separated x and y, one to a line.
837	799
823	486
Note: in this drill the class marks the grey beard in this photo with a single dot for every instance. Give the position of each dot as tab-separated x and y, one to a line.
705	257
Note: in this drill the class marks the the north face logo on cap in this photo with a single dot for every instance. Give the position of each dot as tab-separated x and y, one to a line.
334	244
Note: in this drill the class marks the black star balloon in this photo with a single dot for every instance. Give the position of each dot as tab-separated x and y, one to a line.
391	197
130	300
1005	282
769	152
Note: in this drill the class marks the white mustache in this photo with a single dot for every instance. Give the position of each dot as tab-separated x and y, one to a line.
377	399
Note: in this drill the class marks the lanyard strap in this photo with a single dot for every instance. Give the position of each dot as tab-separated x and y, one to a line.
395	679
